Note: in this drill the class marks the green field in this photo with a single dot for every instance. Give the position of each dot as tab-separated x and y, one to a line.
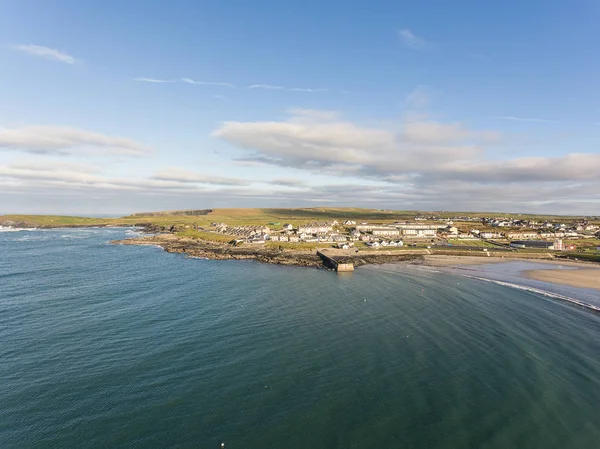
232	217
588	256
207	236
253	216
478	243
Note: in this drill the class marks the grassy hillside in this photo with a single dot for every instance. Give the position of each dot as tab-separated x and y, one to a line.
248	216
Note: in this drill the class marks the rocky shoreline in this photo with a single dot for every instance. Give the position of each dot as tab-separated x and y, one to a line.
292	257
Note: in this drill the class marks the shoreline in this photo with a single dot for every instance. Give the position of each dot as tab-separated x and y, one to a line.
580	277
581	274
309	258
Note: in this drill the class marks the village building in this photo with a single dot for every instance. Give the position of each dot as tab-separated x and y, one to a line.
315	228
418	226
287	227
419	233
389	232
489	235
522	235
371	227
451	230
535	244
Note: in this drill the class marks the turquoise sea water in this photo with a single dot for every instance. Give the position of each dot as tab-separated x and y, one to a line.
122	346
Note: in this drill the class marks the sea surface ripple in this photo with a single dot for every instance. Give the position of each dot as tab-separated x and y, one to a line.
120	346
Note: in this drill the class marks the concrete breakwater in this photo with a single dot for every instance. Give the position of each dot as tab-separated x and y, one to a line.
330	262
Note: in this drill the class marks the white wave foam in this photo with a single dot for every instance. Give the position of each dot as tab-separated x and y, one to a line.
11	229
539	291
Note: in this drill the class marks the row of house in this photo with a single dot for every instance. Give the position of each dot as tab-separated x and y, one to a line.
384	243
244	231
317	227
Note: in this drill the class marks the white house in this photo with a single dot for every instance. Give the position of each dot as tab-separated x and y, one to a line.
315	228
451	230
419	233
489	235
386	232
288	227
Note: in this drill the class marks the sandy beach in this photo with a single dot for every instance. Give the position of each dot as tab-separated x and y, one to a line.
448	261
581	277
583	274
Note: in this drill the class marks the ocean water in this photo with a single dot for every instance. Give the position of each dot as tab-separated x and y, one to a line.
121	346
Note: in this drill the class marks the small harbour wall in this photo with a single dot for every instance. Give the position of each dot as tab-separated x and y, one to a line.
333	264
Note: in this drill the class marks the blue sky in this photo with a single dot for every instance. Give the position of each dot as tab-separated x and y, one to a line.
116	107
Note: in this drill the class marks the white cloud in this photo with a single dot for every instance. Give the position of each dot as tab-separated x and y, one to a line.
207	83
300	114
38	189
432	132
412	41
67	176
265	86
288	182
290	89
46	52
521	119
419	98
50	164
187	176
417	152
153	80
300	141
220	97
66	140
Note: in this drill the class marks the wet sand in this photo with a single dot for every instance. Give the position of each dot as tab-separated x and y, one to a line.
448	261
436	260
582	277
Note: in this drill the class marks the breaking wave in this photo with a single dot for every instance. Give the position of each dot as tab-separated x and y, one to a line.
539	291
11	229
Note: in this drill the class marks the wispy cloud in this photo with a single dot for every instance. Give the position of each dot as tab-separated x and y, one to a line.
45	52
153	80
183	175
419	98
220	97
412	41
265	86
290	89
301	89
207	83
521	119
287	182
63	140
218	83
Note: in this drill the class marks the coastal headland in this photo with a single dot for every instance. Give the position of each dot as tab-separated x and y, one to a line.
351	237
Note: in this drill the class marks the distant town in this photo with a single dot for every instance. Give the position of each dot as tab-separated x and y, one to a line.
432	230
